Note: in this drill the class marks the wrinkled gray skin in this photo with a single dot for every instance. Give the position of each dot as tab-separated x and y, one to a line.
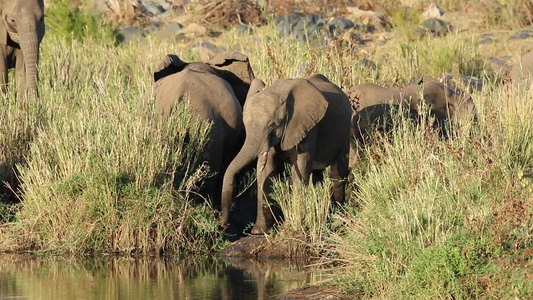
212	98
306	121
21	32
443	101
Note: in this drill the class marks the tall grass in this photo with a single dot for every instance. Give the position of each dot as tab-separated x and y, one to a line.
97	174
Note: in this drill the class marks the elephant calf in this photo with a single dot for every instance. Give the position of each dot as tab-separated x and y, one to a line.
372	105
306	121
212	89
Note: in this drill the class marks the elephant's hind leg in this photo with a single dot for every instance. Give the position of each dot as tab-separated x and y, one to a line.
339	172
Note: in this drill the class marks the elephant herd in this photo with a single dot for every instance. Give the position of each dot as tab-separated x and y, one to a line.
309	123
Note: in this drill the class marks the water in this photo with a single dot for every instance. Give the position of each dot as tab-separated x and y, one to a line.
26	277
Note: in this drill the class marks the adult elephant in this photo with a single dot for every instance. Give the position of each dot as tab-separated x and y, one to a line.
213	99
21	32
304	120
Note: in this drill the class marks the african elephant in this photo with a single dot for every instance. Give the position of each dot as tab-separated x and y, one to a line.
437	96
21	32
522	68
306	121
213	98
443	101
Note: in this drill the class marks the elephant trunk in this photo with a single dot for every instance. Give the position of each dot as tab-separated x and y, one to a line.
29	44
246	155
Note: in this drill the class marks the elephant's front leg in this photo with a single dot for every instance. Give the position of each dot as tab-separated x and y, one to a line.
3	69
302	159
266	167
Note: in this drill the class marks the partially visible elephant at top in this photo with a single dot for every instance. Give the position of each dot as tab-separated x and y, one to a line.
372	103
523	68
304	121
21	31
211	90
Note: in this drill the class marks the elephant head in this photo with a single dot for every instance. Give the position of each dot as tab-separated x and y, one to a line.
278	117
446	100
232	66
23	23
235	68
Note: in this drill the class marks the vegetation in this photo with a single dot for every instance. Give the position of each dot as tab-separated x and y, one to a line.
426	218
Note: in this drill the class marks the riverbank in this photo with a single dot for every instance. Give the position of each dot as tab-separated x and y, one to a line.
425	218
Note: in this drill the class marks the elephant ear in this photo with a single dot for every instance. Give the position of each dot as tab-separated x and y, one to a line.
305	106
256	86
235	68
169	65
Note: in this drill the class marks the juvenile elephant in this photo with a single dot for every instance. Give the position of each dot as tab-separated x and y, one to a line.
438	97
373	104
306	121
523	68
21	32
213	98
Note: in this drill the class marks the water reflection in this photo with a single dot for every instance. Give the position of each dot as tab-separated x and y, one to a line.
25	277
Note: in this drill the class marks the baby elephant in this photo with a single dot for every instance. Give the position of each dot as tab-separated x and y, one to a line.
306	121
372	105
211	88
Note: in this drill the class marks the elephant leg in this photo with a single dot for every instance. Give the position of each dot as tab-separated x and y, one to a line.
3	69
20	73
215	154
302	160
266	166
339	172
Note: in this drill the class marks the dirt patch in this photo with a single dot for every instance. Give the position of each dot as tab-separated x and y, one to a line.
263	247
227	13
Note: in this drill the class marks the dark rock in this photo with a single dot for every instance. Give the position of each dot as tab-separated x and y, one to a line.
522	35
132	34
338	26
302	27
152	9
434	27
243	29
173	27
485	41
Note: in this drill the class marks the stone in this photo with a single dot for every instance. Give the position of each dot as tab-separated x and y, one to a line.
485	41
432	11
522	35
367	17
243	29
435	27
152	9
301	27
131	34
339	26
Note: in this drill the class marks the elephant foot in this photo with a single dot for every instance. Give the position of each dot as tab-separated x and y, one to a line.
259	230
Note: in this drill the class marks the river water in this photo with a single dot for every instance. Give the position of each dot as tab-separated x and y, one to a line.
27	277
